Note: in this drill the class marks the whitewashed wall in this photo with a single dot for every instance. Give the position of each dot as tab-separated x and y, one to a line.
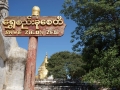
2	73
12	58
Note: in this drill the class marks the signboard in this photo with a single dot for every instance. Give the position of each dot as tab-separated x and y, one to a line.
33	26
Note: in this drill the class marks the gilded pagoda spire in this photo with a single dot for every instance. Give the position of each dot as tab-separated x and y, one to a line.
42	71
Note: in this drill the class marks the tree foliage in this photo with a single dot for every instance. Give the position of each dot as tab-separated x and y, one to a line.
65	65
108	74
94	18
98	31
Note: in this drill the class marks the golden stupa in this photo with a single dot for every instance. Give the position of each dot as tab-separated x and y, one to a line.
42	71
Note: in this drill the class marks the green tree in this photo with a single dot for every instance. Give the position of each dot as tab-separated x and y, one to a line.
65	64
98	26
94	17
108	74
98	30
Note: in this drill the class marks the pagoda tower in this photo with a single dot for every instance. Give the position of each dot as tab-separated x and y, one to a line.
42	71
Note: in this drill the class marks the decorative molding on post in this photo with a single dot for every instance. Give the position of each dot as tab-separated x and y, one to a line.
4	4
3	9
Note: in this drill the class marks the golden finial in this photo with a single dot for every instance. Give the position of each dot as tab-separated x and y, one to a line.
46	53
36	10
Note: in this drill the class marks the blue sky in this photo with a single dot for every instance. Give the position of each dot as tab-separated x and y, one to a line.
50	45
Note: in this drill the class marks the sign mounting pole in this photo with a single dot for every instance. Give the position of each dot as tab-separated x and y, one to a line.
31	57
